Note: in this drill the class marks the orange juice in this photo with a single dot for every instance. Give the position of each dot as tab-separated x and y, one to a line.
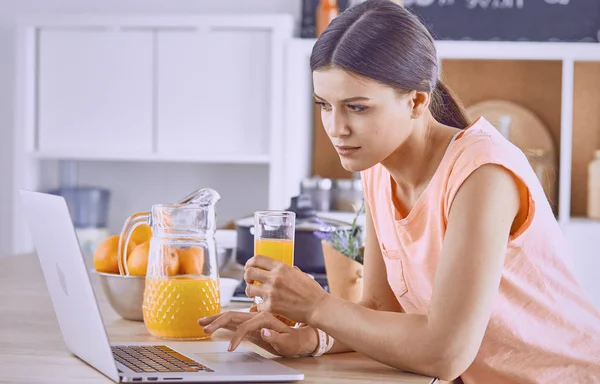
173	305
282	250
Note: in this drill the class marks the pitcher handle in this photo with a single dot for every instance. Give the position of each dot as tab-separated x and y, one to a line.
130	225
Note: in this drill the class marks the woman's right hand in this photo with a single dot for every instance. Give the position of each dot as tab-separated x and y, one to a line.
264	330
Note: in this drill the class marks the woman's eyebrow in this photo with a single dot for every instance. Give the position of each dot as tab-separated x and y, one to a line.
347	100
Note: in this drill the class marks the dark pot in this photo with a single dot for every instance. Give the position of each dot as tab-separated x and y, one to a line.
308	252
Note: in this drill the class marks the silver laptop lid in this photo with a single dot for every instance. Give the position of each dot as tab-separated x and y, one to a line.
68	281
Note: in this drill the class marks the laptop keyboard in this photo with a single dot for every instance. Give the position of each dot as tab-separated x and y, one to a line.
152	359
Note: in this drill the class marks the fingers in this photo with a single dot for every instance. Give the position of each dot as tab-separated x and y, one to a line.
258	322
262	262
207	320
273	338
254	274
228	320
255	290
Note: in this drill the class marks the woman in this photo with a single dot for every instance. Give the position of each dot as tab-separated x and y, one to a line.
466	272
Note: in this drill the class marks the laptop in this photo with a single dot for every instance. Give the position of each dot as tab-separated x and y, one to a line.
83	331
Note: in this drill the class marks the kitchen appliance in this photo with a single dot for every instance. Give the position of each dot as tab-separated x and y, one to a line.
88	207
308	252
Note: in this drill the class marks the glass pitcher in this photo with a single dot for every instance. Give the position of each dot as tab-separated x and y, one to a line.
182	280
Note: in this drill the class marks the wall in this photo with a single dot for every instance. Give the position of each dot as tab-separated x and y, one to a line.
121	177
6	137
10	8
136	186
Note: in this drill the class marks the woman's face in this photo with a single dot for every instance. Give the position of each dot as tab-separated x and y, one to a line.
365	120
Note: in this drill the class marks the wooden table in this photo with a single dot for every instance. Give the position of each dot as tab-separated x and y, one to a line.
32	350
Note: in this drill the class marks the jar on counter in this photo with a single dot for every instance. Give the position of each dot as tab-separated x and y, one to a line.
319	190
347	195
593	206
544	169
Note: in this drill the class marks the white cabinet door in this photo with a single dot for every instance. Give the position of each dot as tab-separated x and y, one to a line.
94	92
214	92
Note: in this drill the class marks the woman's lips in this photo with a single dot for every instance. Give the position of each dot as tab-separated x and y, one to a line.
346	150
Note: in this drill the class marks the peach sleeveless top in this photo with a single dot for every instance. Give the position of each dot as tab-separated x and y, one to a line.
544	327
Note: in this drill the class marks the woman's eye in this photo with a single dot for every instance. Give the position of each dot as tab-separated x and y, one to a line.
323	105
357	108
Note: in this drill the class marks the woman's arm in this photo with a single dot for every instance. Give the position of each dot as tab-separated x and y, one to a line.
377	294
444	342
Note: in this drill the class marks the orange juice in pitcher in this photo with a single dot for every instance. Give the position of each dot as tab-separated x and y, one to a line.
173	305
182	279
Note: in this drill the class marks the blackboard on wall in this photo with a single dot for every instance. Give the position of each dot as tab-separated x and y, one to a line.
510	20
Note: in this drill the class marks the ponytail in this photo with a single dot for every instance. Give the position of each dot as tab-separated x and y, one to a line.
382	41
447	108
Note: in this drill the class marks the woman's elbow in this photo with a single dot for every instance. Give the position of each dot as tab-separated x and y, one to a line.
452	362
449	371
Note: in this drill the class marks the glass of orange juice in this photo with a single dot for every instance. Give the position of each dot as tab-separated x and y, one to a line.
274	236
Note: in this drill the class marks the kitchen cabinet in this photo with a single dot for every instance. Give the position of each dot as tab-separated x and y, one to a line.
213	92
204	89
94	91
161	104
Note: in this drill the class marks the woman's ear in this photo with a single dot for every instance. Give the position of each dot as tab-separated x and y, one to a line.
419	103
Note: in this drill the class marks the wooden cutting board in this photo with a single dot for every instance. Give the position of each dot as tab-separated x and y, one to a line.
527	131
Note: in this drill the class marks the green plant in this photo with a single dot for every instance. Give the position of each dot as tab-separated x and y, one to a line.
348	241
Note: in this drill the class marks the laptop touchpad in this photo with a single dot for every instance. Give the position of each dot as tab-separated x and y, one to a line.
226	358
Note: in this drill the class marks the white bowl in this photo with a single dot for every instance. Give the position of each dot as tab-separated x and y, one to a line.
125	294
227	287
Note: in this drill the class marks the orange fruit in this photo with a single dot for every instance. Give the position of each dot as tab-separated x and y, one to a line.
170	261
191	260
137	262
141	234
106	255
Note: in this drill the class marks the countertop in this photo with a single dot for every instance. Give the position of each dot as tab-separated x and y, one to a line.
32	349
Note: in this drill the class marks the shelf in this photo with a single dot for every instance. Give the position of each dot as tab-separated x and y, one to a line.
144	157
502	50
586	131
517	50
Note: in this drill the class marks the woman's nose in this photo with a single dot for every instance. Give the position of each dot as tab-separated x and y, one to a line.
337	125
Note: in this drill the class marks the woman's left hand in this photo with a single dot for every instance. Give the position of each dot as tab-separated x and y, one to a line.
286	290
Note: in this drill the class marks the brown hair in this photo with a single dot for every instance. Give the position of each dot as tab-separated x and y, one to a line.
380	40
